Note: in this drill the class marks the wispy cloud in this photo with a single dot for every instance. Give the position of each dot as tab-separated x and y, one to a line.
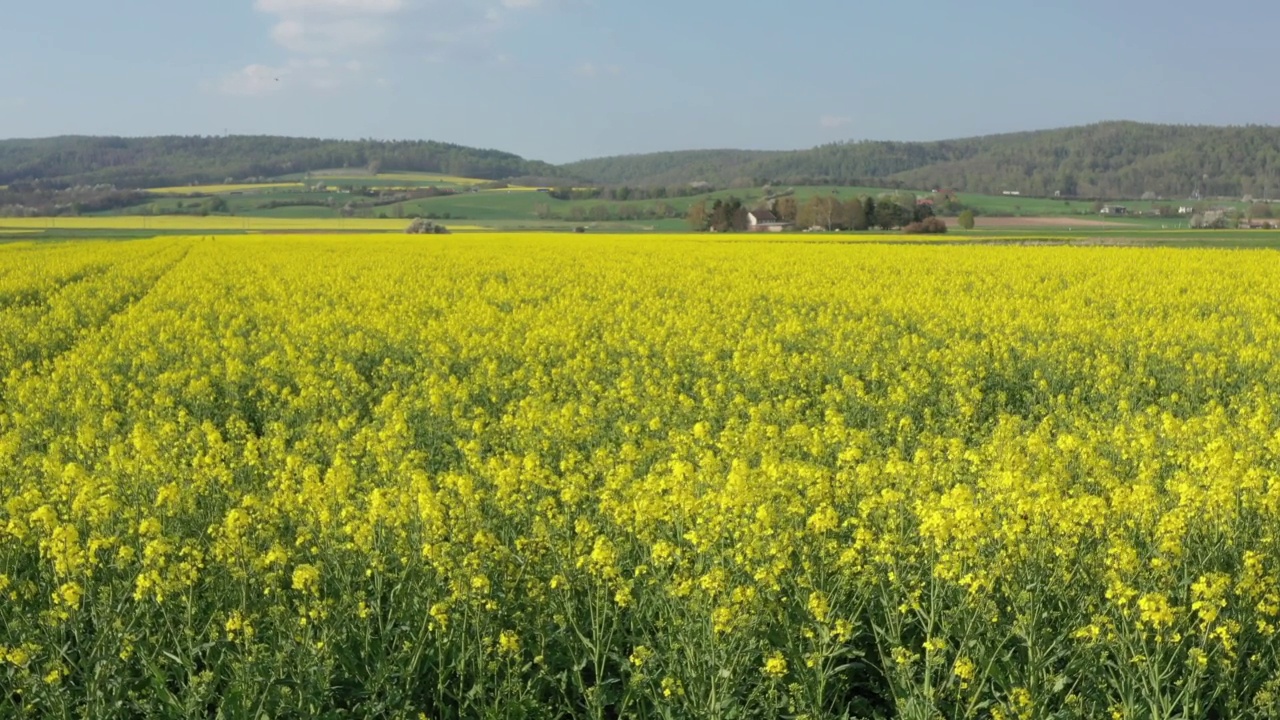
467	30
834	121
328	26
252	80
330	43
318	74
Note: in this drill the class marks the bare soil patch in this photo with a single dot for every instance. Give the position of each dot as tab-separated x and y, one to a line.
1039	222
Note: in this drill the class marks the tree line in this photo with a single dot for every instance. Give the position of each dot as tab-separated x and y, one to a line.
822	212
1105	160
627	193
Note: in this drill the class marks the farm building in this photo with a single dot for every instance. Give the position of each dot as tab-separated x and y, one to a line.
1114	210
764	221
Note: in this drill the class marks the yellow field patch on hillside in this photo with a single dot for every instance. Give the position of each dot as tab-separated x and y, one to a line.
220	189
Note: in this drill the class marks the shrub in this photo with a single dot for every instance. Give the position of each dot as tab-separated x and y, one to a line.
422	226
928	226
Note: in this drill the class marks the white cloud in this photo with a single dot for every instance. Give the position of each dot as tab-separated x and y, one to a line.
834	121
319	27
318	37
316	34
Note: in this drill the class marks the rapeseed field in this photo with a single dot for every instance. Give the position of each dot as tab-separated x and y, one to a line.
531	476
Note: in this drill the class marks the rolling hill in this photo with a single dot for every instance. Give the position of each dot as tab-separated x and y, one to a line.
175	160
1105	160
1114	159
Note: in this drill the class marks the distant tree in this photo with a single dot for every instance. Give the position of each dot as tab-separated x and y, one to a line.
921	211
966	220
808	216
698	217
718	216
1261	210
856	214
890	215
823	211
787	209
375	167
728	215
869	211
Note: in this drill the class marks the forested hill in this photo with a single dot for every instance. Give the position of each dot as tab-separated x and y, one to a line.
161	161
720	167
1115	159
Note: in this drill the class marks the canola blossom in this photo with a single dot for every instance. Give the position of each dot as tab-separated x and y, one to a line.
561	476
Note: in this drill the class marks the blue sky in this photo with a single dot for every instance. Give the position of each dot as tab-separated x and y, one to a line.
566	79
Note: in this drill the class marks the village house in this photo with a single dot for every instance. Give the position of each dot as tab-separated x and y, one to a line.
1114	210
764	221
